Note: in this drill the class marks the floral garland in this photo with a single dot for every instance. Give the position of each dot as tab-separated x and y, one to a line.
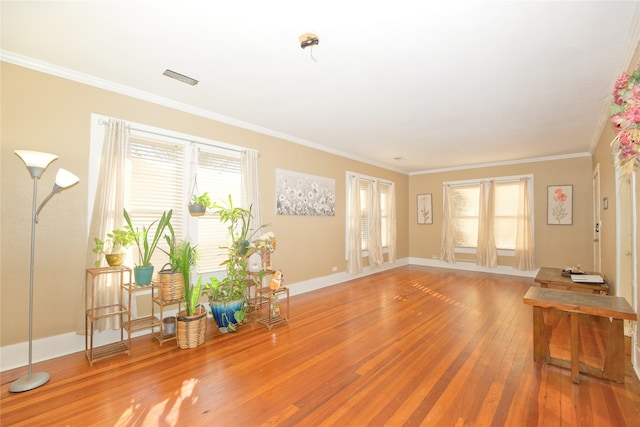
625	115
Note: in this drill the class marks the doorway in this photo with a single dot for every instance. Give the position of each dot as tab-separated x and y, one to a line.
597	225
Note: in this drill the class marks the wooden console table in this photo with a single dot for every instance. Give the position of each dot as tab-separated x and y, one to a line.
553	276
575	303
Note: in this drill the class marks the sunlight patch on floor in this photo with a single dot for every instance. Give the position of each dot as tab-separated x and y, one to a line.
165	413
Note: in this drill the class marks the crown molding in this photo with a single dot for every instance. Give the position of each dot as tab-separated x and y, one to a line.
505	163
65	73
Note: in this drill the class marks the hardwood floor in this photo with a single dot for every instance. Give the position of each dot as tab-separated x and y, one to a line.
410	346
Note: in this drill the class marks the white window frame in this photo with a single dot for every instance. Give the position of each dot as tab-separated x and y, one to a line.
502	179
387	217
142	131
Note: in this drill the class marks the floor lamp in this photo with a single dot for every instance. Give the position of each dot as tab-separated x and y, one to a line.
36	163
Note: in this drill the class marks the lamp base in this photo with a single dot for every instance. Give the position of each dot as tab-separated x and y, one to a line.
29	382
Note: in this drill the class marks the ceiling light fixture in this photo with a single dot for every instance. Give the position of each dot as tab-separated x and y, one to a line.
309	39
181	77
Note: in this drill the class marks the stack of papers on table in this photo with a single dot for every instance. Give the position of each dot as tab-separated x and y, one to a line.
587	278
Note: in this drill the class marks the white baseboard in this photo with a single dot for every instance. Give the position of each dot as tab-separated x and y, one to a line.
469	266
16	355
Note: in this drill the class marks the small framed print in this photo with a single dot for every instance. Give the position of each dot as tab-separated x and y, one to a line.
425	209
560	204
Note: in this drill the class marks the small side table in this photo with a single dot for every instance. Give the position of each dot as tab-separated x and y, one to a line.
273	306
553	276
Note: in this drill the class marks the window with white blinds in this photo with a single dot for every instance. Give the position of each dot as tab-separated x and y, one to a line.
465	207
220	174
366	197
160	179
156	175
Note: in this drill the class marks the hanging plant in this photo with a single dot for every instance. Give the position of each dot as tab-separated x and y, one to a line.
199	202
625	115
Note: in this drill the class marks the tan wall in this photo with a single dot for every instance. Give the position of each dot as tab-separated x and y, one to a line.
555	245
602	157
46	113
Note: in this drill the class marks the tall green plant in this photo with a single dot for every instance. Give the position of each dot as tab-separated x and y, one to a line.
146	248
234	285
185	257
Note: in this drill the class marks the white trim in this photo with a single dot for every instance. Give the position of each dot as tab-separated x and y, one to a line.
504	163
470	266
44	67
54	70
15	356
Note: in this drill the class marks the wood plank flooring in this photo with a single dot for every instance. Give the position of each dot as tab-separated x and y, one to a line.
413	346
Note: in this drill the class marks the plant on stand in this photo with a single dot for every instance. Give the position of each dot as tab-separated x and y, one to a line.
144	270
227	296
113	246
192	321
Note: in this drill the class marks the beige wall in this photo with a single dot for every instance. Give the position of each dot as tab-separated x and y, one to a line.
555	245
46	113
602	157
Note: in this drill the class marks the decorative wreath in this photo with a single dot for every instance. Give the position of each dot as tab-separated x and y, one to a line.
625	115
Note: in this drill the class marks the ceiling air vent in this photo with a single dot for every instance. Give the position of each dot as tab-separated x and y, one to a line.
181	77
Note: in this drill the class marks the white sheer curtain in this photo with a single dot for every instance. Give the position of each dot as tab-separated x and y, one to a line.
392	233
487	253
525	253
375	228
354	244
107	214
446	243
251	188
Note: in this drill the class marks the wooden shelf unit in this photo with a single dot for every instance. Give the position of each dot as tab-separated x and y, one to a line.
272	307
94	312
160	335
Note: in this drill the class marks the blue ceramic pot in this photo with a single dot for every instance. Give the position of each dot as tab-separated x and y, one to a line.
223	312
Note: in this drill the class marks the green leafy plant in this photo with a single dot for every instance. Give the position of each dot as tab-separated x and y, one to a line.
233	286
115	242
146	248
185	257
203	199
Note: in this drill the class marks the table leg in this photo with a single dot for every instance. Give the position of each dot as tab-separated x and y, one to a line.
614	353
575	348
540	339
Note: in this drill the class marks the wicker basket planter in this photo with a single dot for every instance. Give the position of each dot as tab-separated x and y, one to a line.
191	329
170	285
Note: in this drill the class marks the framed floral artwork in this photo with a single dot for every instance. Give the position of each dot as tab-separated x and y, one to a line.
303	194
560	204
425	209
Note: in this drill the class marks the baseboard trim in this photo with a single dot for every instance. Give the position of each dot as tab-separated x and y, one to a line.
16	355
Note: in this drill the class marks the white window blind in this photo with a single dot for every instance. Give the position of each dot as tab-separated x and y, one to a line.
365	213
465	205
156	176
160	181
366	189
221	175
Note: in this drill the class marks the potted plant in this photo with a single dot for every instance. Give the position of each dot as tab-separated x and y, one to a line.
113	246
192	321
170	281
143	269
227	295
199	204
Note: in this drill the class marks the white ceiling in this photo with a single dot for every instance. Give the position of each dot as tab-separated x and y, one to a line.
438	84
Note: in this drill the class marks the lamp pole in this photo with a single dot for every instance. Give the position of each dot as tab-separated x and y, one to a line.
37	162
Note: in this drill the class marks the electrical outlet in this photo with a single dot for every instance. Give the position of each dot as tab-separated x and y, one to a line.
435	257
334	269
